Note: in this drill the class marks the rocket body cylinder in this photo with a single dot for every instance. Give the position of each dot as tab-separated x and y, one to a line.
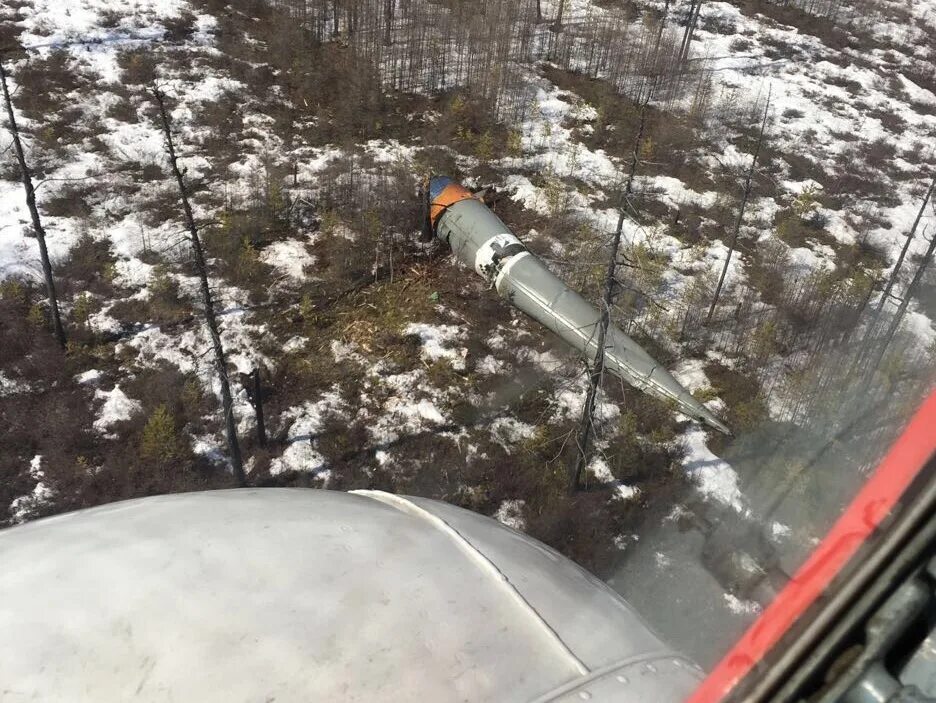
482	241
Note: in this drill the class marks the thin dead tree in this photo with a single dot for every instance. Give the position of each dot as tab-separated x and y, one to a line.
867	342
903	252
26	176
744	199
207	301
655	64
256	397
692	19
557	23
586	424
902	309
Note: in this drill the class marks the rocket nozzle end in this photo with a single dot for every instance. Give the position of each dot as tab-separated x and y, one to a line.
717	424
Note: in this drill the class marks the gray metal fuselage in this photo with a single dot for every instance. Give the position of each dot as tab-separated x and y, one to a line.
481	240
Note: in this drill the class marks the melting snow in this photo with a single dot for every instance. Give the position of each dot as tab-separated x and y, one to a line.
436	342
508	431
779	531
691	374
741	607
290	258
11	386
510	513
117	407
91	377
714	476
489	366
570	402
296	344
306	421
132	273
25	506
401	416
599	467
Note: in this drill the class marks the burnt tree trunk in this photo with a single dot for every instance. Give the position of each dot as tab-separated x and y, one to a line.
258	407
655	64
892	279
740	218
388	19
901	311
867	341
586	424
210	319
693	19
557	23
39	231
903	252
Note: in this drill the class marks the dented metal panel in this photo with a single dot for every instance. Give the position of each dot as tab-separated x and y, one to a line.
481	240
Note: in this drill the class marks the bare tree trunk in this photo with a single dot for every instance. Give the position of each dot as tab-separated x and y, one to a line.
905	301
586	423
220	362
867	341
388	18
690	30
857	316
557	24
33	212
903	252
655	70
740	218
258	407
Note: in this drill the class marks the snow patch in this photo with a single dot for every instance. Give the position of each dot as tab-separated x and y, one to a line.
26	506
714	476
290	258
132	273
436	342
89	378
117	407
509	432
741	607
691	374
779	531
306	421
296	344
11	386
510	513
489	366
599	467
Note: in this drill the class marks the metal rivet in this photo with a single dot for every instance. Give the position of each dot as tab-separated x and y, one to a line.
651	668
622	679
584	695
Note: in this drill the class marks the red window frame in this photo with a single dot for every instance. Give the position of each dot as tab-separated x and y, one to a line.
877	498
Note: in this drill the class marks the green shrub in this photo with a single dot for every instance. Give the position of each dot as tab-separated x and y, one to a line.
161	440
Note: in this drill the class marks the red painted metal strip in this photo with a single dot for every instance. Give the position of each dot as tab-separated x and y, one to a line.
876	499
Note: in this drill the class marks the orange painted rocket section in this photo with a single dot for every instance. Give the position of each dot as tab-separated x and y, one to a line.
452	194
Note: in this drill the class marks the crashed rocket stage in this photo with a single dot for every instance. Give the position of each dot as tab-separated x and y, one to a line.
479	239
